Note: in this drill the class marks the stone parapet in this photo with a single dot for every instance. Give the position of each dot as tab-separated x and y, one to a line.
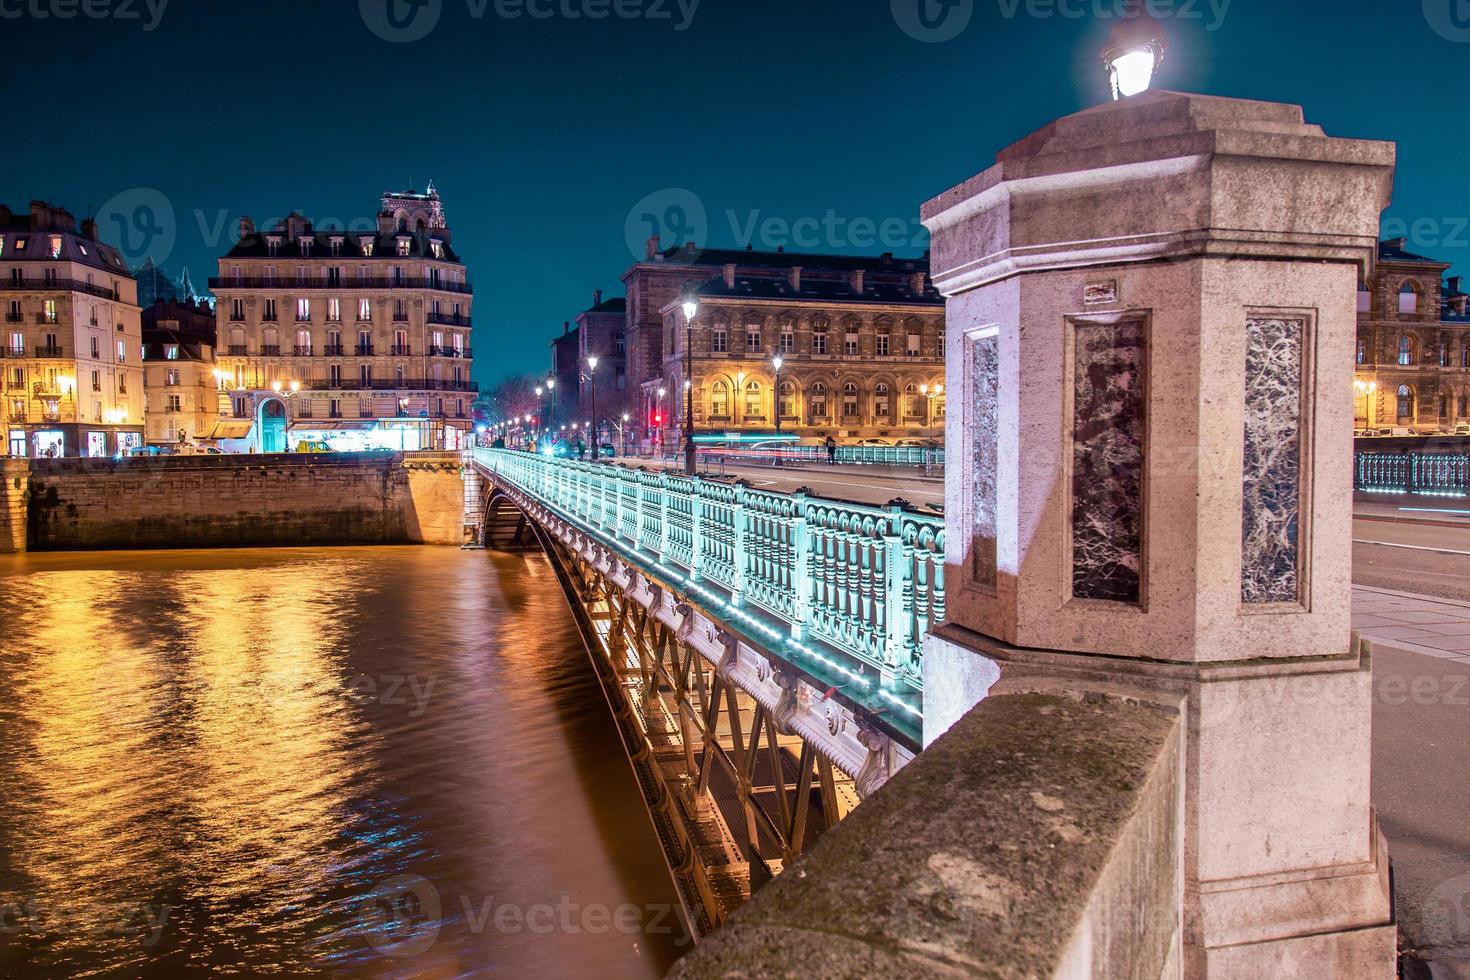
1040	837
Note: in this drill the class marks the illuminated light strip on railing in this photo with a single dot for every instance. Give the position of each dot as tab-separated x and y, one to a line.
632	553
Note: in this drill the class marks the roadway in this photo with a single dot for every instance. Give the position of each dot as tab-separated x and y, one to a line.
855	482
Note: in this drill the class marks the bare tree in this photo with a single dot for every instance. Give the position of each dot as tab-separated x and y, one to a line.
513	397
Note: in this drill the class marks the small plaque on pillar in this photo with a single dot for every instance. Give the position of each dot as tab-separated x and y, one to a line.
1100	293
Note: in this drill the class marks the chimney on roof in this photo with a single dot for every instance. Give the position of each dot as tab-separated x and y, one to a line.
296	226
89	228
690	248
730	275
887	258
596	298
566	327
793	276
650	248
855	280
917	283
1455	283
247	227
1397	243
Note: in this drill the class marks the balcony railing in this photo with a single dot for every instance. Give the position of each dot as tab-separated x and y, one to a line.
14	317
364	350
270	350
332	350
66	285
863	582
407	384
448	319
436	351
46	350
302	351
48	317
346	282
400	350
236	350
12	352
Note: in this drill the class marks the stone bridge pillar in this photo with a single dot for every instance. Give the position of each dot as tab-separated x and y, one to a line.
1151	325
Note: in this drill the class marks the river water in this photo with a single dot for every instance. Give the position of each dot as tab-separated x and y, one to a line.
376	762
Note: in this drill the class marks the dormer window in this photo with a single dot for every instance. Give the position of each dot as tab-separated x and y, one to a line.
2	244
306	246
272	246
336	246
405	246
171	352
55	251
438	248
367	245
82	247
20	244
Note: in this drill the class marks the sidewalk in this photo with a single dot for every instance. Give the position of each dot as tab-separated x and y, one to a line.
1440	511
1418	624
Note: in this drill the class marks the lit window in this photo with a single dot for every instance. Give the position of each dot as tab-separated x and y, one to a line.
334	310
753	400
55	251
122	351
367	247
303	310
171	352
1408	299
1406	351
719	401
405	246
438	248
365	310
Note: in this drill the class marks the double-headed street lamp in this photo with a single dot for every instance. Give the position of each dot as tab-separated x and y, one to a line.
691	460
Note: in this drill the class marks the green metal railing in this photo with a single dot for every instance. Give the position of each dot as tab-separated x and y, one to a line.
1430	474
864	582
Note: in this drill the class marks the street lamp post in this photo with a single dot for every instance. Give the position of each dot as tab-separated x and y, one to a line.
592	386
691	309
1367	389
931	393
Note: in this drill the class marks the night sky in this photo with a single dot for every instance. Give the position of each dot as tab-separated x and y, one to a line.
550	138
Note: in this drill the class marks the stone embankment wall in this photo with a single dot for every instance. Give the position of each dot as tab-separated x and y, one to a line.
237	501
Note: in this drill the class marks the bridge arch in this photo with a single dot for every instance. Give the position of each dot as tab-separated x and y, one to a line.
505	526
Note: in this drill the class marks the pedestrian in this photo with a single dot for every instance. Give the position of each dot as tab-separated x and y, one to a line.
831	451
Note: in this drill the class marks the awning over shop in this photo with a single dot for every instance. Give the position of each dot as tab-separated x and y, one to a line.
230	430
334	425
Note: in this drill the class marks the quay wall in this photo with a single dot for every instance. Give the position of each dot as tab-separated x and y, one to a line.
234	501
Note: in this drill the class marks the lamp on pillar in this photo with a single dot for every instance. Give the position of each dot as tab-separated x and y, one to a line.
691	310
1135	49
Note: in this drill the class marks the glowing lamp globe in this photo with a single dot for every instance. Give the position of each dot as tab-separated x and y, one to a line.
1135	49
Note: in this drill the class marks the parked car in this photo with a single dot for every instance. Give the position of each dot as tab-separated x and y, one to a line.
873	442
1462	430
1397	430
918	443
313	446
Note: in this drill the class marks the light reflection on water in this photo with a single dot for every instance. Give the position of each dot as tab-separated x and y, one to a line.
347	762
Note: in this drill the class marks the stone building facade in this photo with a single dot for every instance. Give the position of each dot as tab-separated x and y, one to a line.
186	401
1413	347
355	338
861	342
73	372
